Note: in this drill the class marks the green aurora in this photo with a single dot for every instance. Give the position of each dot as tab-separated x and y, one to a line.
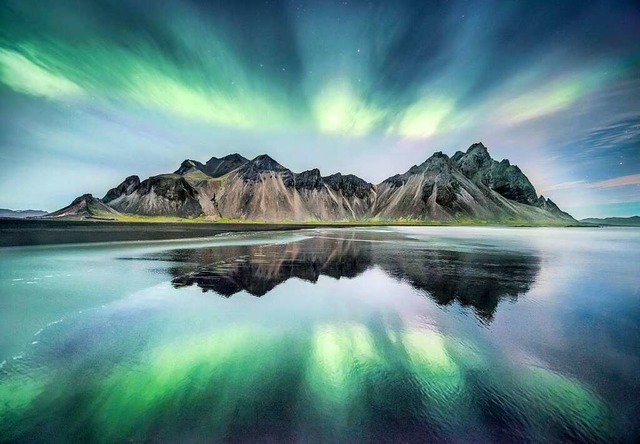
104	86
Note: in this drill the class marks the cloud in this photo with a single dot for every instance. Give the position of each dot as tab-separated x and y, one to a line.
563	185
631	179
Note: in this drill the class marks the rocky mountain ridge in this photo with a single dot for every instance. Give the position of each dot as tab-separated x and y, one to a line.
466	186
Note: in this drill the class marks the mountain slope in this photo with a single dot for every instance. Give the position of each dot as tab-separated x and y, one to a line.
86	206
264	189
206	178
163	195
127	187
467	186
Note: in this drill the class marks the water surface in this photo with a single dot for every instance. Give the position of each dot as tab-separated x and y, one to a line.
395	334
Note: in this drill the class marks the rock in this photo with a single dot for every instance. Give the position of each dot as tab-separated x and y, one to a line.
349	185
163	195
308	180
502	177
220	167
127	187
254	170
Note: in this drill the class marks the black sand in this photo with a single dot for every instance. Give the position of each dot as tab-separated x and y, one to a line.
20	232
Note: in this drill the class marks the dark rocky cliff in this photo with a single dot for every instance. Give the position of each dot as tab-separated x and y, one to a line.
127	187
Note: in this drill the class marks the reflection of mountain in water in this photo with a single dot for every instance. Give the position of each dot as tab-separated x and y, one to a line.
478	279
257	269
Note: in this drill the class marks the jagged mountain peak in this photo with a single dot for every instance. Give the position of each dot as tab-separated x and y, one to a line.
437	161
349	184
502	177
478	147
188	165
214	167
312	172
231	156
255	169
234	156
264	162
310	179
126	187
438	155
474	162
84	198
550	206
224	165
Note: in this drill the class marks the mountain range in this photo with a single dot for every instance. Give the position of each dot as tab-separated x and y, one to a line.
633	221
21	214
466	186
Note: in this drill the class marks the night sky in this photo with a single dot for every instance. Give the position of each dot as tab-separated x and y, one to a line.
93	91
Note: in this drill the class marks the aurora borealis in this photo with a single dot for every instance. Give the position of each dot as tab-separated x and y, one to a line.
93	91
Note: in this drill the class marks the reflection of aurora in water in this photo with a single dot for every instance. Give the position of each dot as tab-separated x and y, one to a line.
366	358
342	381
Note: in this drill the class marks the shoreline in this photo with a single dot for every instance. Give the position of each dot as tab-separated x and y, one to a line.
32	232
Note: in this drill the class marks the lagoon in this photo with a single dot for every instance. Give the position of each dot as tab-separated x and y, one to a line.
390	334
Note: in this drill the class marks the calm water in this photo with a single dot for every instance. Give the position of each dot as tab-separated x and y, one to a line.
404	334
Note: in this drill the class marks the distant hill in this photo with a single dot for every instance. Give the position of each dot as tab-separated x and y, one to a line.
85	206
633	221
21	214
467	186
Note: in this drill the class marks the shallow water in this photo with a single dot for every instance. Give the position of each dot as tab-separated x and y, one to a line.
395	334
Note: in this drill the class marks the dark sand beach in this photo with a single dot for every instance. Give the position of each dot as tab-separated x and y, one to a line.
17	232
